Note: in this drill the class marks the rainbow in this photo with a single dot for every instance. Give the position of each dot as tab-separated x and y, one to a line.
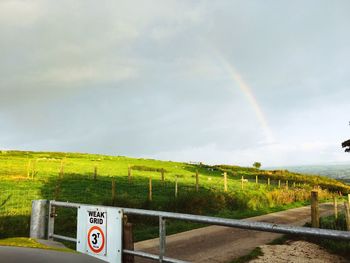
247	91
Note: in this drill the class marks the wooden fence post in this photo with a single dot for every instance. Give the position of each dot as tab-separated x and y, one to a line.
62	169
176	186
225	181
347	215
256	179
335	205
129	173
162	174
197	181
279	183
95	172
268	182
315	213
34	169
293	184
113	192
150	189
29	164
128	241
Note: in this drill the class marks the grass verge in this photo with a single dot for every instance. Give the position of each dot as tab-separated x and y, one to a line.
29	243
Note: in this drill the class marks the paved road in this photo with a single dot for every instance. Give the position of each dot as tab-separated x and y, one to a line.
223	244
33	255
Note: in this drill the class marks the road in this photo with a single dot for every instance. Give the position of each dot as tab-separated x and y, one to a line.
34	255
223	244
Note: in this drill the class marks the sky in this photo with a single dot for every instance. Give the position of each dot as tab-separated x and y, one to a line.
229	82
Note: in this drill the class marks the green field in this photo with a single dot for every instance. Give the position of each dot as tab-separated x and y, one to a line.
87	178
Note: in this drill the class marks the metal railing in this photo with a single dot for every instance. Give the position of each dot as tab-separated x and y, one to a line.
243	224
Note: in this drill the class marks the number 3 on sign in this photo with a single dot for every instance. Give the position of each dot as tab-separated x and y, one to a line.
96	240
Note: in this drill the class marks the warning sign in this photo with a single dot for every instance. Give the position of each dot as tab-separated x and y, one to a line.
99	232
96	232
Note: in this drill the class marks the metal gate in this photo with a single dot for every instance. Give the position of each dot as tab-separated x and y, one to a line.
38	226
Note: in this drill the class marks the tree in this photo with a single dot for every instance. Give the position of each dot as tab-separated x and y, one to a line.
257	165
346	145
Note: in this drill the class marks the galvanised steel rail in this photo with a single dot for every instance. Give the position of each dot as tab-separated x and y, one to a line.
260	226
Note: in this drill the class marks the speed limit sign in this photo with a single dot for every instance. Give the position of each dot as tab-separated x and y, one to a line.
99	232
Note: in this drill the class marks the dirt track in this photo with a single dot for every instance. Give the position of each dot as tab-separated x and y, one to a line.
223	244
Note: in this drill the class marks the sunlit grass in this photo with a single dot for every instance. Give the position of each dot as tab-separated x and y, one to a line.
26	176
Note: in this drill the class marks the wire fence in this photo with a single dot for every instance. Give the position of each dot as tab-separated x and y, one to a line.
24	181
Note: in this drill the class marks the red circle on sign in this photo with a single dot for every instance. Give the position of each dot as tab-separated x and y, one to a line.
103	239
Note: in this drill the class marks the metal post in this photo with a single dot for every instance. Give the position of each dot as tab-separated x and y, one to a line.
162	238
51	221
38	219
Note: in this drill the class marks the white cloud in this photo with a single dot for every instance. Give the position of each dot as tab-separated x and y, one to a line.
148	76
22	13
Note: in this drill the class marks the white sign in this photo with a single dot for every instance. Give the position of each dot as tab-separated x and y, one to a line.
99	232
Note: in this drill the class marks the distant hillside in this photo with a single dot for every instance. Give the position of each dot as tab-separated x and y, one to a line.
337	171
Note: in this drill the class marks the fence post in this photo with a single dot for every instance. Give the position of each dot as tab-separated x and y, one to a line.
225	181
268	182
279	183
315	213
51	221
28	168
128	241
150	189
335	205
113	192
197	181
95	172
38	219
162	238
256	179
61	169
129	173
33	169
287	185
347	215
293	184
349	199
176	186
162	174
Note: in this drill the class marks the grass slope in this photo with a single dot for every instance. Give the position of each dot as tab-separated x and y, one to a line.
30	243
87	178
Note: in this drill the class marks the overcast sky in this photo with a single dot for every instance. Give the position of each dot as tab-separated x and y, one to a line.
213	81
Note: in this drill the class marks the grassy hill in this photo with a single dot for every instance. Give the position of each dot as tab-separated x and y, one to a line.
89	178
